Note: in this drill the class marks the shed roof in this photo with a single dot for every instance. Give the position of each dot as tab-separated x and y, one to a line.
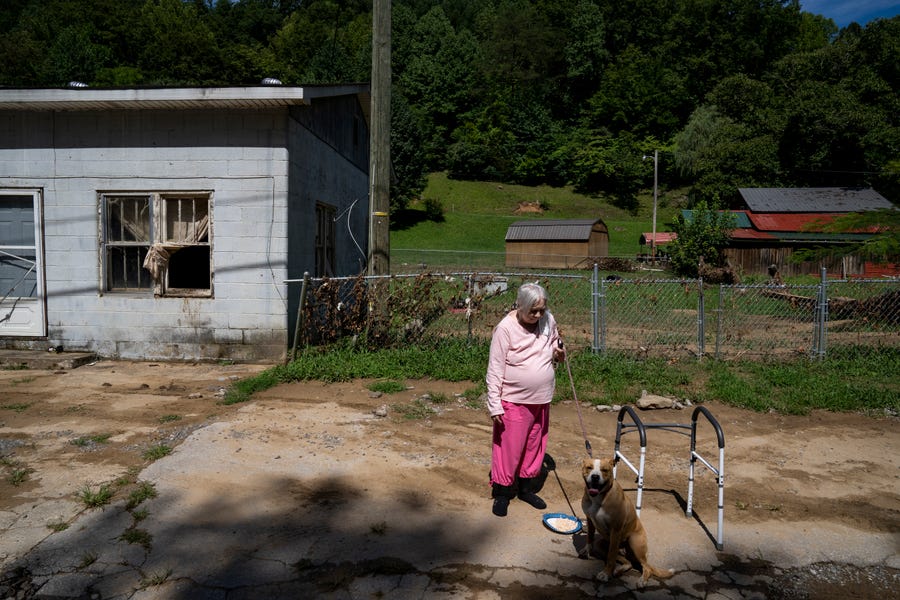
805	200
554	230
662	237
241	97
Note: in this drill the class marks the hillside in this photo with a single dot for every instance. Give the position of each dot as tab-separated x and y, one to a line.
476	215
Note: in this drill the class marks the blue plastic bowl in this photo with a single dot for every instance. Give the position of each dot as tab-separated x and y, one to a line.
551	523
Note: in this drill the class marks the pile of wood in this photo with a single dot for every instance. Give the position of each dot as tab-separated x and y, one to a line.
884	308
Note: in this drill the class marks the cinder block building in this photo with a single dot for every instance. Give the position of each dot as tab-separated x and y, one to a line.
164	223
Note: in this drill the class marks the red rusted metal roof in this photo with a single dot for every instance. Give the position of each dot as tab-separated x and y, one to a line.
751	234
791	221
662	237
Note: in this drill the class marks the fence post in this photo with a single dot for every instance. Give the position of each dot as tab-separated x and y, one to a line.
299	320
595	325
821	317
469	312
719	312
700	321
602	315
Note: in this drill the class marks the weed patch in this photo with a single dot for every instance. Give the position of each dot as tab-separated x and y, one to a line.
438	398
96	498
387	387
140	514
417	409
87	559
156	452
135	535
18	474
57	526
156	579
144	491
89	440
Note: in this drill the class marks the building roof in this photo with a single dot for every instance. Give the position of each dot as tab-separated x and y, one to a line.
787	227
551	230
240	97
791	221
818	200
662	237
751	234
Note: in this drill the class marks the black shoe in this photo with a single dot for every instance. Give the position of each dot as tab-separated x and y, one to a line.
533	499
501	504
527	487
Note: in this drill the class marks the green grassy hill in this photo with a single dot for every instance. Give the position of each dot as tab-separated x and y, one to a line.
477	215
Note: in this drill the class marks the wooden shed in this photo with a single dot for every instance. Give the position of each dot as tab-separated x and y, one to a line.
556	243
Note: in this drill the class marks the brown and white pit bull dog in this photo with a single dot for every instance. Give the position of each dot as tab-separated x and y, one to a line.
612	516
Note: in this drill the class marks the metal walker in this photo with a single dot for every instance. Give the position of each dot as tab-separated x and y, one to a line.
641	428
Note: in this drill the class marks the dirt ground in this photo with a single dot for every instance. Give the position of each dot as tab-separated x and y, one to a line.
834	475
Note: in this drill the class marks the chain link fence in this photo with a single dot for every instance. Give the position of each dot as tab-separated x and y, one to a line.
644	316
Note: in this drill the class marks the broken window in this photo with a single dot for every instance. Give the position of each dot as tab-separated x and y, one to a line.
325	240
159	242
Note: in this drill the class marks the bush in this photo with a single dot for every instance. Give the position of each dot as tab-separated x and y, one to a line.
434	210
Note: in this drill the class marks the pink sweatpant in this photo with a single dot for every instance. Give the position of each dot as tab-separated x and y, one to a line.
520	442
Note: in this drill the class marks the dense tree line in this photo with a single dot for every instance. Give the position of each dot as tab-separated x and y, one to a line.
733	93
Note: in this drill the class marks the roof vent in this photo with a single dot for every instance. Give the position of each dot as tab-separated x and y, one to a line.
76	84
271	81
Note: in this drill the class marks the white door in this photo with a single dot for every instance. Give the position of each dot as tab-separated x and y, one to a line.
21	266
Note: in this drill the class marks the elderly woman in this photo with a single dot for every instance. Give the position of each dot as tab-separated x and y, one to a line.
520	382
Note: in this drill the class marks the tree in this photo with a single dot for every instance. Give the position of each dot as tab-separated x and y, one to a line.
408	164
434	72
519	45
702	235
484	147
177	46
73	56
641	94
322	41
585	51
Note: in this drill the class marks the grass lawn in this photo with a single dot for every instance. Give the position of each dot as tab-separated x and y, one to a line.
477	215
851	379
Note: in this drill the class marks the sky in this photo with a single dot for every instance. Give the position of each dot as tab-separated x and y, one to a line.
844	12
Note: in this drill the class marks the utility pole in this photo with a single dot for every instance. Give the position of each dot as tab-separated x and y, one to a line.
655	195
380	140
655	188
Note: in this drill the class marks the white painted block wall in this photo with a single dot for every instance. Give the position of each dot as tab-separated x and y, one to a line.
158	151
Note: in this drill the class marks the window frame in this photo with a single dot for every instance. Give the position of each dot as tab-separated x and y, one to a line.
325	250
159	236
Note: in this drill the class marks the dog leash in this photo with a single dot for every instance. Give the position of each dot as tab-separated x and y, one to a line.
587	444
565	495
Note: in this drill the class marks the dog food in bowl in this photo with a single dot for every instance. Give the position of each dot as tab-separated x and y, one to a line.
562	523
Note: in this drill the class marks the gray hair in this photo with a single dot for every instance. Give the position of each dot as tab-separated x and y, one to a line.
529	295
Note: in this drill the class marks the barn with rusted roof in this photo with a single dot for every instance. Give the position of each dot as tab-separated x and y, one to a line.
775	222
556	243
